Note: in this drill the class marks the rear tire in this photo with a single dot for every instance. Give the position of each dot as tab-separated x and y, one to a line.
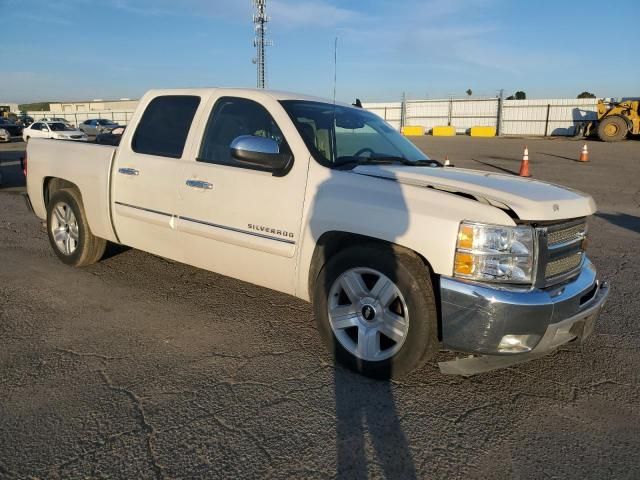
381	332
612	129
69	232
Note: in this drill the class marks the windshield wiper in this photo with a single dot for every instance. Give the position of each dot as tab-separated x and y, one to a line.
388	160
412	163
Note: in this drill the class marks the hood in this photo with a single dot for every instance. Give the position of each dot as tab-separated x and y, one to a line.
529	199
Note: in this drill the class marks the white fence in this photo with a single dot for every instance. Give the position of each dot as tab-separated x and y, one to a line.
76	118
511	117
544	117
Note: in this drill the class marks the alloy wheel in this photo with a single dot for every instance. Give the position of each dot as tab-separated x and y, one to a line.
368	314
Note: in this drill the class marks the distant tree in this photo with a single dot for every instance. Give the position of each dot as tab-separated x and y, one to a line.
586	94
469	92
519	95
37	106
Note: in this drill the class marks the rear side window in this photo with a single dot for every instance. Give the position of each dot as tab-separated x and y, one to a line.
164	125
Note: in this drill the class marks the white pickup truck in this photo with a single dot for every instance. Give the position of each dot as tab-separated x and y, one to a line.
400	256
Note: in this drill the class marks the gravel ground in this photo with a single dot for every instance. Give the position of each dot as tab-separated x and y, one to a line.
139	367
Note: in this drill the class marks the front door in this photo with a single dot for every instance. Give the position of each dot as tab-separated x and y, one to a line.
237	220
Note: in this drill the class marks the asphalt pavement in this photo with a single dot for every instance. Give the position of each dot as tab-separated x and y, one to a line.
140	367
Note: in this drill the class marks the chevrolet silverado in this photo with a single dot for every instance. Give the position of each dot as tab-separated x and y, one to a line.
400	256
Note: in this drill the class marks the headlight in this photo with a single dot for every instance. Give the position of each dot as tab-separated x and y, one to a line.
3	132
495	253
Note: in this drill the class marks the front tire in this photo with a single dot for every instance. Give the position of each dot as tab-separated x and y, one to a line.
376	311
69	232
612	129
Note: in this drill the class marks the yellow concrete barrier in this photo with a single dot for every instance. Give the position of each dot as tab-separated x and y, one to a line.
444	131
412	130
482	131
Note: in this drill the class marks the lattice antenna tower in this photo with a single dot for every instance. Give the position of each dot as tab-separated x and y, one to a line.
260	42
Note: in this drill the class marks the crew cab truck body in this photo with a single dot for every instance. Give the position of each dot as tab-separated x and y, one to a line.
400	256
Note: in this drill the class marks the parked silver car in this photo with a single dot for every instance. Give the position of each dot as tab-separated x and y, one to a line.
96	126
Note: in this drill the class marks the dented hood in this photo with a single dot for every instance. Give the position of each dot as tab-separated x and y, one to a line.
529	199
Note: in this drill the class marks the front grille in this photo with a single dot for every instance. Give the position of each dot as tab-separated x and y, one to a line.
558	237
76	136
562	265
561	250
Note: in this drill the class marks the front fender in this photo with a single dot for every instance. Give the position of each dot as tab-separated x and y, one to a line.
421	219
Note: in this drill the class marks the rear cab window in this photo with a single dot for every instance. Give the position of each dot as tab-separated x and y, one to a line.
164	125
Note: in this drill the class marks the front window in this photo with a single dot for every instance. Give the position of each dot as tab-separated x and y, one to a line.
59	127
337	135
234	117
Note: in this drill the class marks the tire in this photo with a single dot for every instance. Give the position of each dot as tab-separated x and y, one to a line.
75	244
612	129
345	324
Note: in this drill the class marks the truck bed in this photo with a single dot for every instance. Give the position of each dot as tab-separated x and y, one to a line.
86	165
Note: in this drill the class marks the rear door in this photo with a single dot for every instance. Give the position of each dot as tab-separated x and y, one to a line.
148	172
236	220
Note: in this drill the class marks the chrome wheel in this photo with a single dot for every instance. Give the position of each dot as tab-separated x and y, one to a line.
64	228
368	314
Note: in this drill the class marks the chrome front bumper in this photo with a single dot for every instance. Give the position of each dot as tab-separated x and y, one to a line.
476	317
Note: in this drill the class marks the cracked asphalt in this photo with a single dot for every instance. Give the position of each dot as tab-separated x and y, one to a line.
139	367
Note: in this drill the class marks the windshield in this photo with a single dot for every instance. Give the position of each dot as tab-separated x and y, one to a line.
339	135
59	127
105	122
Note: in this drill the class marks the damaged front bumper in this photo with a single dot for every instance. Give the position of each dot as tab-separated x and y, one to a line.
503	326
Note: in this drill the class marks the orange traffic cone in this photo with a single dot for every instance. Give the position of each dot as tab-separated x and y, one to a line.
584	154
447	163
524	165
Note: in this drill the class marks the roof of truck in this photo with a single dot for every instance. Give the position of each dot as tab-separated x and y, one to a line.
274	94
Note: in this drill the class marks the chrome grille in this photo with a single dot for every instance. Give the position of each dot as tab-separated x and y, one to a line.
562	250
574	233
563	265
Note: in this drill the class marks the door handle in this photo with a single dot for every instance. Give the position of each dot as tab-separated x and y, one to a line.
128	171
199	184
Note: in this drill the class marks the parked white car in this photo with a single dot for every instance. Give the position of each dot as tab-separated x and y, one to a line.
55	130
57	120
400	255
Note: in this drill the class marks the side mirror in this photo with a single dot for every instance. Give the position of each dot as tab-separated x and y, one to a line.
260	152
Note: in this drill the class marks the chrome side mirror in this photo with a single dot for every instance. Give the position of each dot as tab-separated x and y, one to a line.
261	153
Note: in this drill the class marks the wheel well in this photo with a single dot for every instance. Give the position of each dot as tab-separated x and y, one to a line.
53	184
332	242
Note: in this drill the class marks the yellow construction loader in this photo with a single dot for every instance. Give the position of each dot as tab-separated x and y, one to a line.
616	120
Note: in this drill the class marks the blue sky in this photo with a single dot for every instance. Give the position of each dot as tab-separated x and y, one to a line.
85	49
